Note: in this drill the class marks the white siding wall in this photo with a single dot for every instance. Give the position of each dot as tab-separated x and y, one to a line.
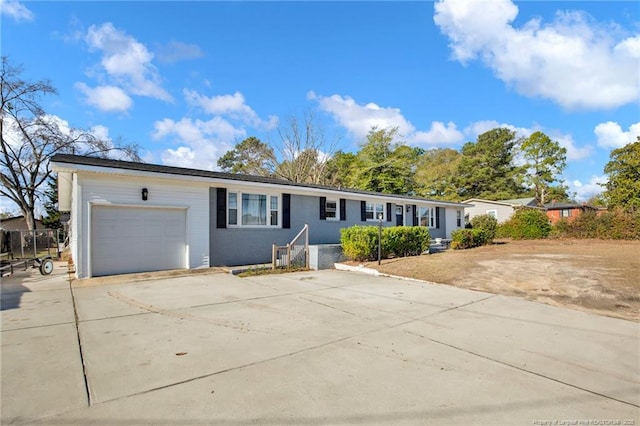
480	208
74	241
126	191
452	220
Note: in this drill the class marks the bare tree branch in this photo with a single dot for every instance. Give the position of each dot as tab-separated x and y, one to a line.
30	138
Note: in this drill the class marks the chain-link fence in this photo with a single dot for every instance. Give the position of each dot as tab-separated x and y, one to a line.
32	244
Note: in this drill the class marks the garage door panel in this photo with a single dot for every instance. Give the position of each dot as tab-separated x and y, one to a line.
128	239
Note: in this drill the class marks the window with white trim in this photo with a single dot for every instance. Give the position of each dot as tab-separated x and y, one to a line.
331	210
566	212
232	206
427	216
374	211
274	210
459	218
493	213
247	209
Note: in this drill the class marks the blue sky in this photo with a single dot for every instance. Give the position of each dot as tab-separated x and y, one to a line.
188	80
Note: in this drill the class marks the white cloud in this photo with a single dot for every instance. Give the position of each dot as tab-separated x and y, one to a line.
438	134
201	142
359	119
572	60
574	152
176	51
126	61
611	135
477	128
231	105
106	98
585	191
16	10
100	132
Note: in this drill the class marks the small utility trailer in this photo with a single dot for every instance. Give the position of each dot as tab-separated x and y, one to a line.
43	263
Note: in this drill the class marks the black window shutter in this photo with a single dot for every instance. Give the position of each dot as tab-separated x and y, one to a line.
323	208
286	211
343	209
363	211
437	217
415	215
388	212
221	207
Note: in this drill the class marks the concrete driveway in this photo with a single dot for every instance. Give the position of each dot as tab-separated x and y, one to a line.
328	347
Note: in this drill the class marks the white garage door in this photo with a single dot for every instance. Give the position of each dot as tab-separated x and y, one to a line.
128	239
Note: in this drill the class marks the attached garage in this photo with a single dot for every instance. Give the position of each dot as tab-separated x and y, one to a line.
137	239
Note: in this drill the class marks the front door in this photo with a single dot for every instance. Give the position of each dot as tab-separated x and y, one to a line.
399	215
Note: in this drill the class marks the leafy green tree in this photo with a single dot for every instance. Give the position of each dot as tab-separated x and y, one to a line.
559	193
486	169
435	171
623	170
251	156
544	159
339	170
52	219
30	137
384	165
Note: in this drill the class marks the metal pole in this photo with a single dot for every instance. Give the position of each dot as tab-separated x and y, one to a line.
379	238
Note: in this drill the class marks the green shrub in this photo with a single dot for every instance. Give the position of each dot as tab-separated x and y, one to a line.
526	224
402	241
468	238
486	223
361	242
616	224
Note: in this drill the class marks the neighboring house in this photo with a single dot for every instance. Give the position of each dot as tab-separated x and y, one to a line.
135	217
18	223
10	225
501	210
567	211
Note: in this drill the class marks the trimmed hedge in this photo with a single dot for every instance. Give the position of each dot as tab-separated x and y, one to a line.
469	238
361	242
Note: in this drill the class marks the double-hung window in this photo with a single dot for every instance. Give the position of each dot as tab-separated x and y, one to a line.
566	213
331	210
273	210
459	218
427	216
247	209
374	211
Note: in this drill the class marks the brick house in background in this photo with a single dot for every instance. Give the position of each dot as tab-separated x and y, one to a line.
567	211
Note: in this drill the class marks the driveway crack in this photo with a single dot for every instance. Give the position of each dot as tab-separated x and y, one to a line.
80	350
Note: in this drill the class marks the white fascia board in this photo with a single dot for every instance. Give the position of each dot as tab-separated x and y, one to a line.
270	187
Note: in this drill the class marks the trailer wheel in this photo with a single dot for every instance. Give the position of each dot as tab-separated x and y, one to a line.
46	266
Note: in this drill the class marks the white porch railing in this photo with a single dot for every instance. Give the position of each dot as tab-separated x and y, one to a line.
294	254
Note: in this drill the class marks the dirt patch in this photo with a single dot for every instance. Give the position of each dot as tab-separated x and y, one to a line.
593	275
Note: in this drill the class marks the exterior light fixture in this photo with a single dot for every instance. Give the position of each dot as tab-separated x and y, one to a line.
145	194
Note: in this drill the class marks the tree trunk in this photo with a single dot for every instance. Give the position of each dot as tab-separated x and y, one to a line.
29	219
